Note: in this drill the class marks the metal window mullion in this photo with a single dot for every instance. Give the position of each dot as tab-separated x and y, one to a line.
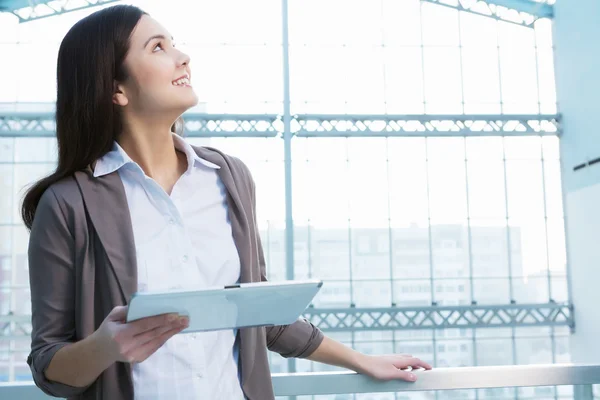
395	349
555	390
353	335
431	269
309	235
537	69
566	242
387	163
499	67
287	158
508	235
460	58
469	233
350	258
537	82
383	58
287	142
474	353
309	249
422	58
546	223
564	223
435	356
268	260
514	355
390	231
553	344
13	264
13	258
509	259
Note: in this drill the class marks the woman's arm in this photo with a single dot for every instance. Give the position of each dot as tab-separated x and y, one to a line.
379	367
79	364
62	366
52	282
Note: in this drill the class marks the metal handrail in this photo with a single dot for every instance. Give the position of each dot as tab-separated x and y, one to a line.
323	383
439	379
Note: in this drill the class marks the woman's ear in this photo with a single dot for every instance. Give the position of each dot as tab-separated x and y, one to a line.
119	97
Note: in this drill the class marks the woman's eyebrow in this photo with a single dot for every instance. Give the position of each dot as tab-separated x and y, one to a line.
155	37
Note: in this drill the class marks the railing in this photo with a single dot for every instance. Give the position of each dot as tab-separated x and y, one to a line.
439	379
324	383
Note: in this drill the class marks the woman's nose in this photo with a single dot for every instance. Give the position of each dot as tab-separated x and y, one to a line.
184	59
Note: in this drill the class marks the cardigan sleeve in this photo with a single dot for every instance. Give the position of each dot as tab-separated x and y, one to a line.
52	282
299	339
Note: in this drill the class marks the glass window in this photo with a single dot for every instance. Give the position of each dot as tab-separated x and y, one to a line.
383	220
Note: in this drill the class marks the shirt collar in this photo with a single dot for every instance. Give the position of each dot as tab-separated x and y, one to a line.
117	158
111	161
182	145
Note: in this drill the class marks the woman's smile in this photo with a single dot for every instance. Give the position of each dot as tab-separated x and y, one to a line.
183	81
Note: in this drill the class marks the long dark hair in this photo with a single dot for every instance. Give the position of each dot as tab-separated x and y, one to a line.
90	60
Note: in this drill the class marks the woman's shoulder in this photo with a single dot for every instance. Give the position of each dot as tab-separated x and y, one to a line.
65	192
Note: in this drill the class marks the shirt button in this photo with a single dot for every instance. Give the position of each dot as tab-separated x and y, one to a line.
185	259
171	221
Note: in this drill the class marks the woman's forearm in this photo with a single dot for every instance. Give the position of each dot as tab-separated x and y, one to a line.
79	364
335	353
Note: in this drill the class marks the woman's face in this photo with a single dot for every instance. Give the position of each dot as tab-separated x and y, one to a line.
159	75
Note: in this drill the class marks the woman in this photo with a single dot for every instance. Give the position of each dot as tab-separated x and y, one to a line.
131	207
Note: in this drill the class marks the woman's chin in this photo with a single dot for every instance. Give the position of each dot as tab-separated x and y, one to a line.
186	105
193	100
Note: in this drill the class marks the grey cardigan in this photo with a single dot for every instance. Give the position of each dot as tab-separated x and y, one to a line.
82	263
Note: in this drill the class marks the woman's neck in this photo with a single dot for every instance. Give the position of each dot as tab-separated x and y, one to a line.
151	146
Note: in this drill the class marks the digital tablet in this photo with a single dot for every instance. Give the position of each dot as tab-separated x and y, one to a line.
237	306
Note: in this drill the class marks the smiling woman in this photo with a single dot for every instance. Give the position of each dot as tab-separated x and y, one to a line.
132	61
131	207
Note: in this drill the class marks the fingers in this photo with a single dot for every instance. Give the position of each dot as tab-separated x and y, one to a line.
425	365
118	313
149	335
407	365
162	339
150	323
144	351
404	362
406	376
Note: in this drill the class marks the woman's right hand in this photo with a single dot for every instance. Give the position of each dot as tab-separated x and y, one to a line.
135	341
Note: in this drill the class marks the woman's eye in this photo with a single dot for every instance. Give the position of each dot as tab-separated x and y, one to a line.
158	46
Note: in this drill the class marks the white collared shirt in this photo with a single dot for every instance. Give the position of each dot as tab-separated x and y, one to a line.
183	241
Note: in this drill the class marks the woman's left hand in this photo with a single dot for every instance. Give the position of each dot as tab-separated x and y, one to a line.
389	367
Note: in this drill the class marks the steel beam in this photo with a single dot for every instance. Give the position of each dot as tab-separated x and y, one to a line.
521	12
32	124
396	318
31	10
